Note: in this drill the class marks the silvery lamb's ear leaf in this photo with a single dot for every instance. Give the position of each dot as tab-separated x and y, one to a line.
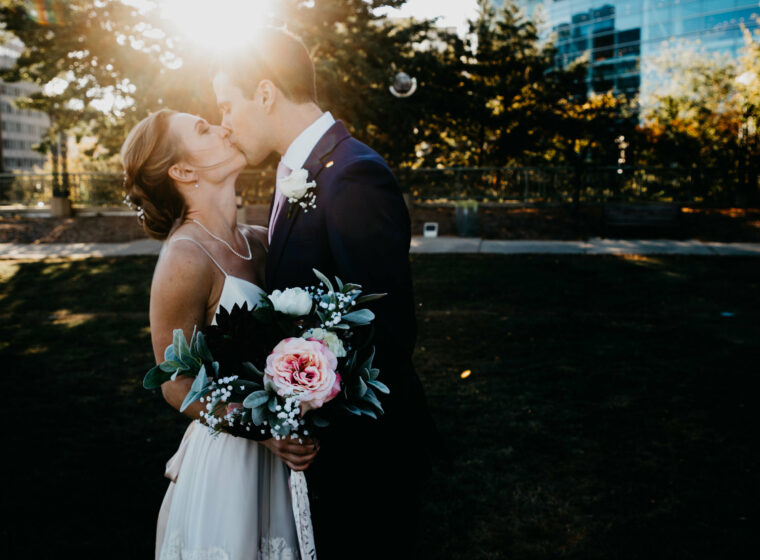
370	397
361	387
201	380
369	297
352	409
382	387
272	404
170	366
193	395
256	399
257	415
339	283
324	280
349	287
155	377
170	354
368	363
181	349
359	317
191	344
369	412
215	369
339	326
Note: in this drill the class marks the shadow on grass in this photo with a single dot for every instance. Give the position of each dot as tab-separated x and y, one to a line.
607	414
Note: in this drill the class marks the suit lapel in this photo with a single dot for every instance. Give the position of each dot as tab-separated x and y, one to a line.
283	225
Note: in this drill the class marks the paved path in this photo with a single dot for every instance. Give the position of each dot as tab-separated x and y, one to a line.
594	246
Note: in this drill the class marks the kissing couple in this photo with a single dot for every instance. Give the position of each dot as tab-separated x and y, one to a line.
229	496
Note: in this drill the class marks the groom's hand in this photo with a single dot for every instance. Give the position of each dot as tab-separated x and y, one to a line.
298	456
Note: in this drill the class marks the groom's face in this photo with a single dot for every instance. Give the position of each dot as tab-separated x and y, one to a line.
245	118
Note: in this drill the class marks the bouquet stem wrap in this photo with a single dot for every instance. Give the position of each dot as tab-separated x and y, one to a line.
299	495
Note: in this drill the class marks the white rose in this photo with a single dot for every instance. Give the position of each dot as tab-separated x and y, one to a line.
293	301
295	185
334	343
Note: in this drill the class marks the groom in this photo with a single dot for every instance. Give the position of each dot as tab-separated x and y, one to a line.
364	479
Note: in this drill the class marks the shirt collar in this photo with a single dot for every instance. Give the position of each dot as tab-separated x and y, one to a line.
298	152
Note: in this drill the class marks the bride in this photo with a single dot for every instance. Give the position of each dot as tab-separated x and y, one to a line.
229	496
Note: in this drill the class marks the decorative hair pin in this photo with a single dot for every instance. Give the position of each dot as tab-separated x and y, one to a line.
135	207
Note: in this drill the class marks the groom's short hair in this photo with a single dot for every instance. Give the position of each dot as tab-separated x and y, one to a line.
273	54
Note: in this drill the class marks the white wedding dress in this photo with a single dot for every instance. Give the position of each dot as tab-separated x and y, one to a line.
229	497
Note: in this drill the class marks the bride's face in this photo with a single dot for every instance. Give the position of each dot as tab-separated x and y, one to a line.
207	148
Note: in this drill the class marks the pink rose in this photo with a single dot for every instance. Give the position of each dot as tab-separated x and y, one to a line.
305	368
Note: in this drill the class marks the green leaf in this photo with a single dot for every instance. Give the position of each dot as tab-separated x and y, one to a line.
170	354
339	283
252	370
257	415
181	349
382	387
170	366
352	409
323	279
370	397
200	381
319	421
359	317
349	287
155	378
193	396
368	362
369	297
191	344
244	387
361	387
369	412
201	348
272	404
256	399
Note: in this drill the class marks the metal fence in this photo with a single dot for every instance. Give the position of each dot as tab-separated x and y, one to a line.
504	184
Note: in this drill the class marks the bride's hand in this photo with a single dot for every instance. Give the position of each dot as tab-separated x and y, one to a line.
298	456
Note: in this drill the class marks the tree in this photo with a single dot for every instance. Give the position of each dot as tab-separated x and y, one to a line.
704	118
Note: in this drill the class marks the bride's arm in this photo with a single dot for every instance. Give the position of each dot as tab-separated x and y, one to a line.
179	297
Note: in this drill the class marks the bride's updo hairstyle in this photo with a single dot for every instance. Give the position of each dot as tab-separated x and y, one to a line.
147	154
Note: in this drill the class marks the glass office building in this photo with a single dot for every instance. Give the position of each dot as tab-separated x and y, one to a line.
617	35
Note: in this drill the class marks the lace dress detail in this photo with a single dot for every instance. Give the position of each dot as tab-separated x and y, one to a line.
299	495
174	551
276	549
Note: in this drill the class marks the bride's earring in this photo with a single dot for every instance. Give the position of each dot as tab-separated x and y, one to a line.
197	185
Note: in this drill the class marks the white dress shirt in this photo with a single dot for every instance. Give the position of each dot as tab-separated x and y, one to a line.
296	155
299	150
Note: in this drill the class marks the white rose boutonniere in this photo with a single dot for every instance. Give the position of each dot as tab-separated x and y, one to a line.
297	188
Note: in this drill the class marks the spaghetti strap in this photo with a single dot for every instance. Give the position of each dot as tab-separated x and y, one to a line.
204	250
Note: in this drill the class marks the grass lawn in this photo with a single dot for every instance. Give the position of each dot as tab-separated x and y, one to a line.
607	415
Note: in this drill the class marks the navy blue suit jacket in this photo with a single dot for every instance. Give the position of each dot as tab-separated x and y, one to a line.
360	231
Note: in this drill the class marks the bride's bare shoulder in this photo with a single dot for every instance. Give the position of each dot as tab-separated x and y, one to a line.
181	262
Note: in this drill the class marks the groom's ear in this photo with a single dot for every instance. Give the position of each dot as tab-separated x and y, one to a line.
267	92
182	174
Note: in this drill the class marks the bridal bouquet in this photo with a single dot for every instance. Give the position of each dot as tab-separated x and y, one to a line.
284	368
